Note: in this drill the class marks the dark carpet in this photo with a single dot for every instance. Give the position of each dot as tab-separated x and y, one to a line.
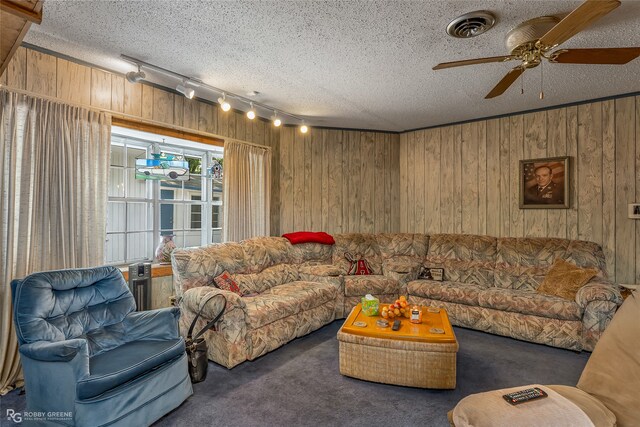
300	384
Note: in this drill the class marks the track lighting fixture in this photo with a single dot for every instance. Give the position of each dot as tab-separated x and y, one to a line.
276	120
251	114
187	85
223	102
186	91
136	76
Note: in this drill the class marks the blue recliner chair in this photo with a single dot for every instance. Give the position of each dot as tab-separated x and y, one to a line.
90	359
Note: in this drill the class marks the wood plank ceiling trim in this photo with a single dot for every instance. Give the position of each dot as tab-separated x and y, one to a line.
16	17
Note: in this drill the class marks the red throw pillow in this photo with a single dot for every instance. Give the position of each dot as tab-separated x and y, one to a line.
309	237
359	265
225	282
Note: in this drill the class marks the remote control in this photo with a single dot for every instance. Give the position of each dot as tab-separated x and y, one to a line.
396	325
525	395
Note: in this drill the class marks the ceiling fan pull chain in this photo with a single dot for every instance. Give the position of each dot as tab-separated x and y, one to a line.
541	81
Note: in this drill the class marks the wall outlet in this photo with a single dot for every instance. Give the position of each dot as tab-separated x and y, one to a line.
634	210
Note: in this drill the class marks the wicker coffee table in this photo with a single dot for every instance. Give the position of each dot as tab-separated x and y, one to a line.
412	356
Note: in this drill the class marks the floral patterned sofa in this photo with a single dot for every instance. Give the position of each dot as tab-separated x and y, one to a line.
291	290
490	284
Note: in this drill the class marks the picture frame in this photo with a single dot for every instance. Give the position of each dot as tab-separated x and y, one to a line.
634	210
544	183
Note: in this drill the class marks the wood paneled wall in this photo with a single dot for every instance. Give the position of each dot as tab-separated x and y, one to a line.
49	75
458	179
339	181
465	178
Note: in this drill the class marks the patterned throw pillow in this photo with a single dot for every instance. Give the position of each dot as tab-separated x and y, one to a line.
565	279
359	265
225	282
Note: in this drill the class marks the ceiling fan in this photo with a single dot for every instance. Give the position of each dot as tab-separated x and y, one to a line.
533	40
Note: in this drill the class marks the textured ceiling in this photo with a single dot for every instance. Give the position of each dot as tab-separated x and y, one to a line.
351	64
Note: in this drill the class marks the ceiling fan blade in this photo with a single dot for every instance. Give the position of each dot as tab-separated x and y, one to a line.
614	55
473	61
506	81
577	20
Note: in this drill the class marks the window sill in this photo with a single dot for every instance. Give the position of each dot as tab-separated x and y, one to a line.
157	270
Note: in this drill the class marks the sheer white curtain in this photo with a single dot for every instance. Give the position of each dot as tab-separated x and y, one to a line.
247	191
54	164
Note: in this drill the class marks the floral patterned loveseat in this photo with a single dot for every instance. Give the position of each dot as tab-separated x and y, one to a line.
489	284
288	290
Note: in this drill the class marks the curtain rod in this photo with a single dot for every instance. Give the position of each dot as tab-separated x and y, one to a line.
127	116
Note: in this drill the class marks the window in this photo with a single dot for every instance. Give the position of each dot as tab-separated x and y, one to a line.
196	214
140	211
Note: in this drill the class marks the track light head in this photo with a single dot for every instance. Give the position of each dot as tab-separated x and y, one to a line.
276	120
304	128
186	91
251	114
224	105
136	76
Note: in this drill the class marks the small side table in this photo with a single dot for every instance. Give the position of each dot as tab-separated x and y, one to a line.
628	288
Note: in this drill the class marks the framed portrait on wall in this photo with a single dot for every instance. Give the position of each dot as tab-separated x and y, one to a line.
544	183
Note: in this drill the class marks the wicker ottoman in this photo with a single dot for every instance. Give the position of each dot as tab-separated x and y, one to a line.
412	356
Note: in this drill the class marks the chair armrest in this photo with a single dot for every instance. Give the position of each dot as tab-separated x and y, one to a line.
598	291
324	270
58	351
160	324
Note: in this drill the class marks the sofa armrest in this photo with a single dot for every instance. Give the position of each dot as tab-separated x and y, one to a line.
233	324
160	324
324	270
193	299
599	300
598	291
58	351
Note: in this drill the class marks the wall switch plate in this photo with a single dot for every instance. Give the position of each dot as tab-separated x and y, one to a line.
634	210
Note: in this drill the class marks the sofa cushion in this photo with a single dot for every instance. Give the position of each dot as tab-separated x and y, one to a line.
464	258
311	253
403	244
372	284
532	303
264	252
461	293
126	362
599	414
359	245
266	279
286	300
523	263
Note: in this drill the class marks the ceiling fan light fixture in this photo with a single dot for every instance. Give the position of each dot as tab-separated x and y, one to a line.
471	24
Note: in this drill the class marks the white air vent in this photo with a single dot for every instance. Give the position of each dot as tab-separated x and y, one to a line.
471	24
